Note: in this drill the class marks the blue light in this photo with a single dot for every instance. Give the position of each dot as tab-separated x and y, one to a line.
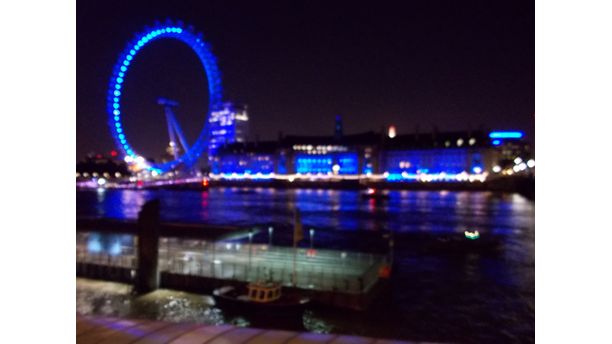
116	112
214	89
115	249
505	134
119	130
121	136
118	125
93	244
496	142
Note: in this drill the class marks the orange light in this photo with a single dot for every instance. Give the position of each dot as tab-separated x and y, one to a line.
204	182
384	272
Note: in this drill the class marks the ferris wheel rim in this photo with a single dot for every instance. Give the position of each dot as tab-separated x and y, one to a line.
115	91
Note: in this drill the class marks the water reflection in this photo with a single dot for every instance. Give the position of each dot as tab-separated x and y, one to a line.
405	211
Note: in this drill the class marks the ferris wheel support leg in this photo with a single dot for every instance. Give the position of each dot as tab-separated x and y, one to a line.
171	133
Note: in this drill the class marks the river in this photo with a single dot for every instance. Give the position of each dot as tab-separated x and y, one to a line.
437	294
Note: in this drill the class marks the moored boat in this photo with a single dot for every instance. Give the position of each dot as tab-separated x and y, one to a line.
260	297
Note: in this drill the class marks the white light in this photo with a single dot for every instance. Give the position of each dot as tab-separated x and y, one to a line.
217	261
336	168
531	163
459	142
140	160
518	160
496	169
228	246
515	168
101	181
522	166
477	170
128	159
472	141
391	132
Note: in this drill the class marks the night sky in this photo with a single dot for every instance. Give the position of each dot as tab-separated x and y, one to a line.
296	64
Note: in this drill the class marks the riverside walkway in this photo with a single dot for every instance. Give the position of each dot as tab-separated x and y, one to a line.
104	330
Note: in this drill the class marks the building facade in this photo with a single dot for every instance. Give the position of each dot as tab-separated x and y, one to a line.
449	156
227	124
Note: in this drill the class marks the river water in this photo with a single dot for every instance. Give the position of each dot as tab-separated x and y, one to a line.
441	290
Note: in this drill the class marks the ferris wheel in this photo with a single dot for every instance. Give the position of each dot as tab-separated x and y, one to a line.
127	57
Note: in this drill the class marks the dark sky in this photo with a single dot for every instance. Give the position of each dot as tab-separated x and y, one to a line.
455	65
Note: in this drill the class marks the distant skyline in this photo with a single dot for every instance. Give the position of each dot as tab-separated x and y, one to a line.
298	64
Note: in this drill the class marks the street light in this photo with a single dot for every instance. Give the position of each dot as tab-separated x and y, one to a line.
311	236
270	231
250	244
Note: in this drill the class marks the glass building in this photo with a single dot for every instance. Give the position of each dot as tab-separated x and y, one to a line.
227	124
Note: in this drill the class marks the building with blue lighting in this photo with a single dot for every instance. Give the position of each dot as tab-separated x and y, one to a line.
228	123
448	156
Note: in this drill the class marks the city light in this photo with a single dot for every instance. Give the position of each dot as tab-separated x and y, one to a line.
496	169
518	160
505	134
531	163
391	132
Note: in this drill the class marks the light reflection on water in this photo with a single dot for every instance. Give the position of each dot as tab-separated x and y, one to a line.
405	211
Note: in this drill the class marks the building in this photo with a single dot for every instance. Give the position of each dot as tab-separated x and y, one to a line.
227	124
447	156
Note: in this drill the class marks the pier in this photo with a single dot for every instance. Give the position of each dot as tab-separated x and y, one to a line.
200	258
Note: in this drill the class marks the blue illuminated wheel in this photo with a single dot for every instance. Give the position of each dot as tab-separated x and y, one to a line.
115	91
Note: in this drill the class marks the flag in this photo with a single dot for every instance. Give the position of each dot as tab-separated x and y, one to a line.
298	233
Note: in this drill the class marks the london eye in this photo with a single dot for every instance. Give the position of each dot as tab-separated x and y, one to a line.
128	56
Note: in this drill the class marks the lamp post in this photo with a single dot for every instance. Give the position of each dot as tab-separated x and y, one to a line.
270	232
312	231
250	251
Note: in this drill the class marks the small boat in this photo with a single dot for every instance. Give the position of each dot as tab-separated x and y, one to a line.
374	194
260	297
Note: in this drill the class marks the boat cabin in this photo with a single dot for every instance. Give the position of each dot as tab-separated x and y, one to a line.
264	292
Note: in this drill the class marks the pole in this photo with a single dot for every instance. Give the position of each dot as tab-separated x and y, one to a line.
293	276
250	251
311	237
270	231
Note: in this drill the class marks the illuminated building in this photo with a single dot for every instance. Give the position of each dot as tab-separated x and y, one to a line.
449	156
227	123
98	165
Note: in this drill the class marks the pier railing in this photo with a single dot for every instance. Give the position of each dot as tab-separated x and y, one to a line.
316	269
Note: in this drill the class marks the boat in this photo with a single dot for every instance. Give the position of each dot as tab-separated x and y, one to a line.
371	193
260	297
